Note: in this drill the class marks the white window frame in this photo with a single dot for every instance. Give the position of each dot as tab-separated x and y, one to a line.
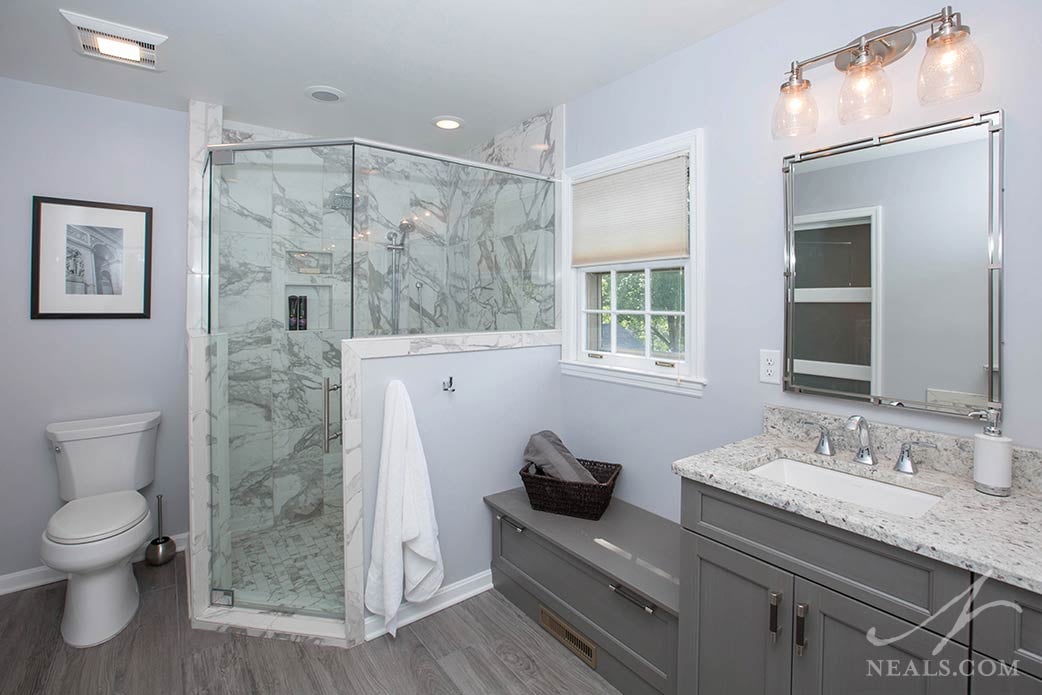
685	376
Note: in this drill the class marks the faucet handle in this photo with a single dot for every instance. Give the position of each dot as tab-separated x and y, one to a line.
905	464
824	446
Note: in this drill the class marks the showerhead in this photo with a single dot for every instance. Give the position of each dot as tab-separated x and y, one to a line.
396	239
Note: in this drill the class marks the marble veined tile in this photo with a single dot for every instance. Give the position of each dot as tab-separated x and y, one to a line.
250	464
298	472
245	190
297	193
300	361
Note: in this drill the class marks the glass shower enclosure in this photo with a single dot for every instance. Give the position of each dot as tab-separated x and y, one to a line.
313	242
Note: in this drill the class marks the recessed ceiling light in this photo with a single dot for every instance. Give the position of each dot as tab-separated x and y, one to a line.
448	122
325	93
99	38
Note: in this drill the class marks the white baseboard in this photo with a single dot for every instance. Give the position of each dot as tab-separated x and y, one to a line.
446	596
38	576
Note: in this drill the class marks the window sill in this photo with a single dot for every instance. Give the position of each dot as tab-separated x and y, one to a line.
685	386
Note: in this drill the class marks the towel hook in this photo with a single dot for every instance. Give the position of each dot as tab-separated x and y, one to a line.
447	386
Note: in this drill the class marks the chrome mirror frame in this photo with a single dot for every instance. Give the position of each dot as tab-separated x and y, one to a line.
991	120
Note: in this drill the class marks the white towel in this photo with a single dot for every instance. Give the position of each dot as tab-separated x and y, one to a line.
405	533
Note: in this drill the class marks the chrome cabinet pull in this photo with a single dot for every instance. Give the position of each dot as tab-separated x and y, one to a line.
619	591
774	600
327	437
511	524
801	628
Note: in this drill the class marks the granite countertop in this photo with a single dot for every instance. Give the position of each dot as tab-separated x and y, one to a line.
966	529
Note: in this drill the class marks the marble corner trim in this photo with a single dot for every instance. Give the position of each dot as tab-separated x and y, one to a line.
204	129
966	528
953	455
535	144
353	353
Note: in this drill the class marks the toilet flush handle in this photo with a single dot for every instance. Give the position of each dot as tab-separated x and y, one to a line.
57	448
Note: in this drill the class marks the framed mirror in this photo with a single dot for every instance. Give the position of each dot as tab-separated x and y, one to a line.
893	268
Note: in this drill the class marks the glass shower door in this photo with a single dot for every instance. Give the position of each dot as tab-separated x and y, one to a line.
280	284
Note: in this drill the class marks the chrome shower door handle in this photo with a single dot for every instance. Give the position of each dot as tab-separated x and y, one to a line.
327	388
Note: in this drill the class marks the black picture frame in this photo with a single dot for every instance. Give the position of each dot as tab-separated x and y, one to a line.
35	311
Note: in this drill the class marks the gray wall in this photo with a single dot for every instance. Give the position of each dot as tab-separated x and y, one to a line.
732	101
934	251
71	145
473	438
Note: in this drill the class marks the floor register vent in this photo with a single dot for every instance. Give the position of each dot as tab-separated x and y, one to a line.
563	632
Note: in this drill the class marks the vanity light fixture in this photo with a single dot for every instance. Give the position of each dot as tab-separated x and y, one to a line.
866	91
951	68
795	112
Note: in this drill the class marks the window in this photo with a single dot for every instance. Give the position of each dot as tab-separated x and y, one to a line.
635	252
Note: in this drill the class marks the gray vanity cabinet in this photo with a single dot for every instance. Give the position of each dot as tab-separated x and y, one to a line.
774	603
837	657
736	629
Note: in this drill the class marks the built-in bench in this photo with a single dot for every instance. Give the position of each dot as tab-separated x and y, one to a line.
608	590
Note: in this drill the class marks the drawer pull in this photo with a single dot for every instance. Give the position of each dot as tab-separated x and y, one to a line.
774	600
618	590
801	628
511	524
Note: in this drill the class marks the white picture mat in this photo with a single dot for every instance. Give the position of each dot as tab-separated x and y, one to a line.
54	220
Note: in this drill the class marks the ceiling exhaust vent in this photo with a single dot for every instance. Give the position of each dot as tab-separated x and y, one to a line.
98	38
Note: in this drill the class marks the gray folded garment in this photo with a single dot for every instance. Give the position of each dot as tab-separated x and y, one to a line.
548	453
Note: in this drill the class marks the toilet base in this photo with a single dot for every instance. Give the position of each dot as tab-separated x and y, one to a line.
99	604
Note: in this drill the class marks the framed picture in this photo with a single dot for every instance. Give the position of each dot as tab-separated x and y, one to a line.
90	260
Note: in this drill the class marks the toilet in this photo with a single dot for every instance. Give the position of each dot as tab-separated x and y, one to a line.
102	463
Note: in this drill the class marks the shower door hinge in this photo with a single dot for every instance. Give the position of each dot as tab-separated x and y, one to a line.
222	157
222	597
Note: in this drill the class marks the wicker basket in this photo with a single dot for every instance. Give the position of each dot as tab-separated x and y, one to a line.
583	500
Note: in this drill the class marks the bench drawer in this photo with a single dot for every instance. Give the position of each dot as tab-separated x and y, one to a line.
621	612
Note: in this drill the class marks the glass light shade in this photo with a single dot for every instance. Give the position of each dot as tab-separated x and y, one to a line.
866	92
952	67
795	112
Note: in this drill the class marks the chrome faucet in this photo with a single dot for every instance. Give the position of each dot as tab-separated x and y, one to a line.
864	436
905	464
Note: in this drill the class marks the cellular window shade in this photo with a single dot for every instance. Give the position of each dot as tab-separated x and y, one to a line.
637	214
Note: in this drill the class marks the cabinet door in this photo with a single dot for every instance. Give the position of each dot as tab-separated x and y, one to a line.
838	658
729	603
988	679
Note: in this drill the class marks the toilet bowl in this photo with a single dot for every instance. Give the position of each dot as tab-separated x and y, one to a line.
102	595
101	465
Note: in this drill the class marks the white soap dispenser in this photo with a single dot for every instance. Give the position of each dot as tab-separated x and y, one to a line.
992	456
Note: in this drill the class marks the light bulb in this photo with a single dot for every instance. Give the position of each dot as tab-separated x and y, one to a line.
795	112
866	91
952	67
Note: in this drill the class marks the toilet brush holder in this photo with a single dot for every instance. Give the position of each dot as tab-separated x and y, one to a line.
161	549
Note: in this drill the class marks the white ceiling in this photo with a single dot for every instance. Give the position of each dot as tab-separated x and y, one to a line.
401	62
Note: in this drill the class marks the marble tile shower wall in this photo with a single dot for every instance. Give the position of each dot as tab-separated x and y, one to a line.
481	256
282	227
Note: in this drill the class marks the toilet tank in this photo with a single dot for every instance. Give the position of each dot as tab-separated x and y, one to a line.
104	454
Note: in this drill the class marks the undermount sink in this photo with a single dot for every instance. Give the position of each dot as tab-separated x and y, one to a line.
848	488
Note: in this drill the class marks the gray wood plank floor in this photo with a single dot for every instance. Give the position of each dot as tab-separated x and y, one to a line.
483	646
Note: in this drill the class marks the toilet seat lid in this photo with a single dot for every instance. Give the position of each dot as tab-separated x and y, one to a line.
97	517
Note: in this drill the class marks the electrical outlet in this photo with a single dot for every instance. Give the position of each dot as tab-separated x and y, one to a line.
770	366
